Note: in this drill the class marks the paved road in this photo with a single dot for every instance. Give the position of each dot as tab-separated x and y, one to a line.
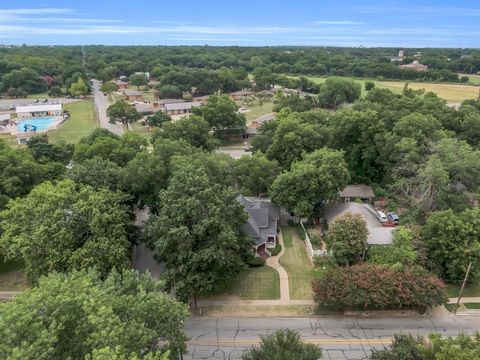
101	103
342	338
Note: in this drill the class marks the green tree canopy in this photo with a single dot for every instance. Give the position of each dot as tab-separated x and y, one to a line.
255	174
220	112
336	91
78	88
196	232
310	181
123	112
138	79
158	119
347	238
60	227
453	240
80	316
193	129
283	345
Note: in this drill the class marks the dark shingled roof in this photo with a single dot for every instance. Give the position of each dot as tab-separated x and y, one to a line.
263	216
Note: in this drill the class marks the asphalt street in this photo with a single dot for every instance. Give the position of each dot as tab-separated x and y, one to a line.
101	103
342	338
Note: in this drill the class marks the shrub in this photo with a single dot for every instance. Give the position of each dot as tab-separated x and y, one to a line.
369	286
256	261
348	238
276	250
301	233
369	85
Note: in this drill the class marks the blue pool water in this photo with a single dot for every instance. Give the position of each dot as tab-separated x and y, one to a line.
42	123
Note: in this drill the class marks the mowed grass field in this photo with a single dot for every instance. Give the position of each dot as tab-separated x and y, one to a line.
82	121
298	266
452	93
255	283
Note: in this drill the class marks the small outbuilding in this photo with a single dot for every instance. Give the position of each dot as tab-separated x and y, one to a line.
363	193
133	95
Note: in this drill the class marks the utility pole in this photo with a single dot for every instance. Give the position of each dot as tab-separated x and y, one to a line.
463	286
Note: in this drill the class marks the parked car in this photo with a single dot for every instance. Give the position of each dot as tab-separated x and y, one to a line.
247	148
393	217
382	217
11	107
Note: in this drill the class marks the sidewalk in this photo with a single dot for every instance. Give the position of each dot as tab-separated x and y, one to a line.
282	273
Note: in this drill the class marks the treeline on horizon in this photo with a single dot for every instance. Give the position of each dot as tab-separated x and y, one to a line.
21	67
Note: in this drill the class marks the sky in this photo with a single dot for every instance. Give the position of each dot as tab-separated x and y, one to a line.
370	23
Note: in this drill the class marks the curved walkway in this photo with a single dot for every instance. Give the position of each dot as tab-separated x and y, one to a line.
282	273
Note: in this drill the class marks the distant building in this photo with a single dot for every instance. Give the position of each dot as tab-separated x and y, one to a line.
152	83
147	74
415	66
122	85
351	193
146	109
39	110
181	108
399	58
203	99
133	95
237	95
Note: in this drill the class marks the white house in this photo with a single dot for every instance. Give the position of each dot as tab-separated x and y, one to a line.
39	110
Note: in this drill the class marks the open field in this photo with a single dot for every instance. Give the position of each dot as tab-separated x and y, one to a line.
81	123
11	276
296	263
140	129
453	93
255	283
474	79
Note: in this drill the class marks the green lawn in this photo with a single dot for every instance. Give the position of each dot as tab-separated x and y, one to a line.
81	123
258	110
296	263
255	283
471	290
9	139
141	130
473	306
474	79
39	96
11	276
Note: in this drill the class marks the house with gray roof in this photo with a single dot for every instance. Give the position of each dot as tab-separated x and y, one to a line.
357	192
180	108
262	223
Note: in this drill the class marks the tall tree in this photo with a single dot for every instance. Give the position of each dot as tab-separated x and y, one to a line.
338	91
78	88
255	174
123	112
63	227
453	240
220	112
80	316
138	79
196	233
347	238
310	181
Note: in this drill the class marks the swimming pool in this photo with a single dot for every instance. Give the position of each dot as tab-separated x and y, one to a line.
38	123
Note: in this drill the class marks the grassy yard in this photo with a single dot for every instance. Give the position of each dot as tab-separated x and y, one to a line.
471	290
9	139
11	276
474	79
258	110
453	93
296	263
141	130
81	123
255	283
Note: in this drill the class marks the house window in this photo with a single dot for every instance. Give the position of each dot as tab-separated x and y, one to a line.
271	239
